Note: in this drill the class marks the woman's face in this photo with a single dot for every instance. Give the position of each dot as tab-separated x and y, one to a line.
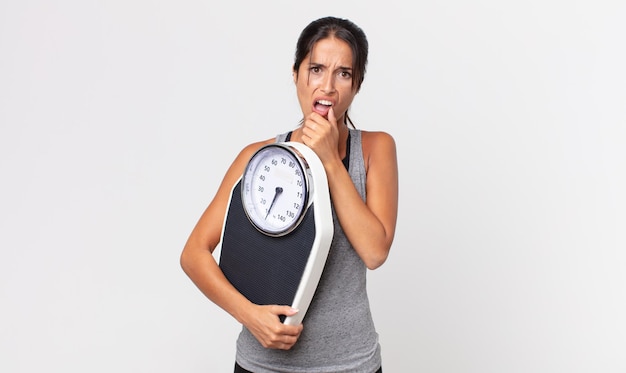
324	79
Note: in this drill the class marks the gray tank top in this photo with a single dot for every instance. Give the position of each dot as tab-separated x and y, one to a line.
339	333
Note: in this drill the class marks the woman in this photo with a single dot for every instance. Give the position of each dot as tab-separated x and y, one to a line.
337	334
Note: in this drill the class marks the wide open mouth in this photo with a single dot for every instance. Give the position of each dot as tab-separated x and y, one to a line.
322	107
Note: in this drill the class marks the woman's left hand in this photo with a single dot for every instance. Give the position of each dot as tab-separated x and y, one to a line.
321	135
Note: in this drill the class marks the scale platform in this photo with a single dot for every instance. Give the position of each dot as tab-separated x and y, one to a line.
282	270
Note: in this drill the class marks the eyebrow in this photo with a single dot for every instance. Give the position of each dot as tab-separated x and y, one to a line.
317	64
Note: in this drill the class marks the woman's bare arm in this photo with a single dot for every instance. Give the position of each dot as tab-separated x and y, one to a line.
199	264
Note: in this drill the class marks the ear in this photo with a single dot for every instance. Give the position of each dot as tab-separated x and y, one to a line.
294	74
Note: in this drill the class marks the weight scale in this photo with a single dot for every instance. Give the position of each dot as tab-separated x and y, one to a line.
278	228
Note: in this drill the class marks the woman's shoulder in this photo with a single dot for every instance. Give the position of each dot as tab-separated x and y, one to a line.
374	135
246	153
251	148
377	140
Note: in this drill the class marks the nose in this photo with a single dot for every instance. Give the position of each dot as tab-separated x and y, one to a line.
328	84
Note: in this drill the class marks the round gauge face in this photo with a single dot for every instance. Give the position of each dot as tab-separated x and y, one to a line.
275	189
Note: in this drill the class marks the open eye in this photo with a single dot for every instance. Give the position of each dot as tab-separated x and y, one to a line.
345	74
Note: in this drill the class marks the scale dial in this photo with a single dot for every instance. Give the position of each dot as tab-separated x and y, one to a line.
275	189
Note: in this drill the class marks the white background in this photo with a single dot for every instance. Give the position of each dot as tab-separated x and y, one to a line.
119	118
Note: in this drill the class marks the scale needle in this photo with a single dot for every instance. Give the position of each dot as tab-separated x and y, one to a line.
279	190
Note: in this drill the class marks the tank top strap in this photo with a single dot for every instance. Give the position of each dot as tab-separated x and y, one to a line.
346	159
